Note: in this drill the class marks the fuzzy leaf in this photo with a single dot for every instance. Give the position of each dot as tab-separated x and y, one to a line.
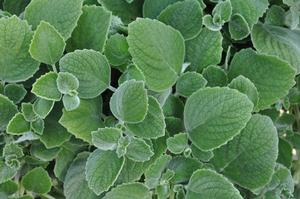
189	82
7	111
131	190
106	138
37	180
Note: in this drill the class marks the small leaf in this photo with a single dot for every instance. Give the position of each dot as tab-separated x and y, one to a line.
18	125
138	150
102	170
210	112
189	82
45	87
6	172
39	151
153	126
47	45
43	107
71	102
28	113
238	27
15	92
7	109
12	149
203	156
10	187
37	180
106	138
223	10
134	190
178	143
132	72
96	77
67	83
206	183
160	73
130	102
215	76
38	126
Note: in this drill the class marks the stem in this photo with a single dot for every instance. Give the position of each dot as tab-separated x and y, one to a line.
54	68
227	58
3	83
113	89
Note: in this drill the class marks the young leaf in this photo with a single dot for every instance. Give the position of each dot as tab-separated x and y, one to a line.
178	143
213	116
91	30
18	125
238	27
153	126
138	150
252	153
215	76
134	190
12	149
96	77
206	183
102	170
67	83
185	16
43	107
130	102
83	120
6	172
39	151
47	45
7	109
28	113
208	44
16	64
132	72
37	126
37	180
15	92
106	138
45	87
160	73
52	11
249	64
71	102
189	82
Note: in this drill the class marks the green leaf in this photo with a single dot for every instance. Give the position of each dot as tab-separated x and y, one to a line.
206	183
47	45
45	87
130	102
208	44
209	24
96	76
127	12
285	155
185	16
173	107
18	125
71	102
102	170
38	126
28	113
215	76
252	153
213	116
75	184
275	16
132	72
91	30
16	63
244	85
15	92
138	150
37	180
39	151
83	120
178	143
153	126
134	190
152	8
116	50
6	172
67	83
189	82
15	6
203	156
7	110
222	11
106	138
249	64
155	170
43	107
12	149
10	187
52	11
278	41
158	50
238	27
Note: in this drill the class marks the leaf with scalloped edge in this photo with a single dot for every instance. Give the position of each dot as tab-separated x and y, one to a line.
18	125
7	109
189	82
133	190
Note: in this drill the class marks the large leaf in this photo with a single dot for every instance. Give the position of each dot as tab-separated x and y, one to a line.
158	50
75	184
153	126
7	111
102	170
278	41
91	69
91	30
83	120
208	44
213	116
15	62
206	183
271	76
53	11
131	190
130	102
249	159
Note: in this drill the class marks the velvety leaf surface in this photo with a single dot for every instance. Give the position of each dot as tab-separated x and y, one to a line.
7	109
130	190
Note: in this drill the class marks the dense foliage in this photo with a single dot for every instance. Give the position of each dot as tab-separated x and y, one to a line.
149	99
